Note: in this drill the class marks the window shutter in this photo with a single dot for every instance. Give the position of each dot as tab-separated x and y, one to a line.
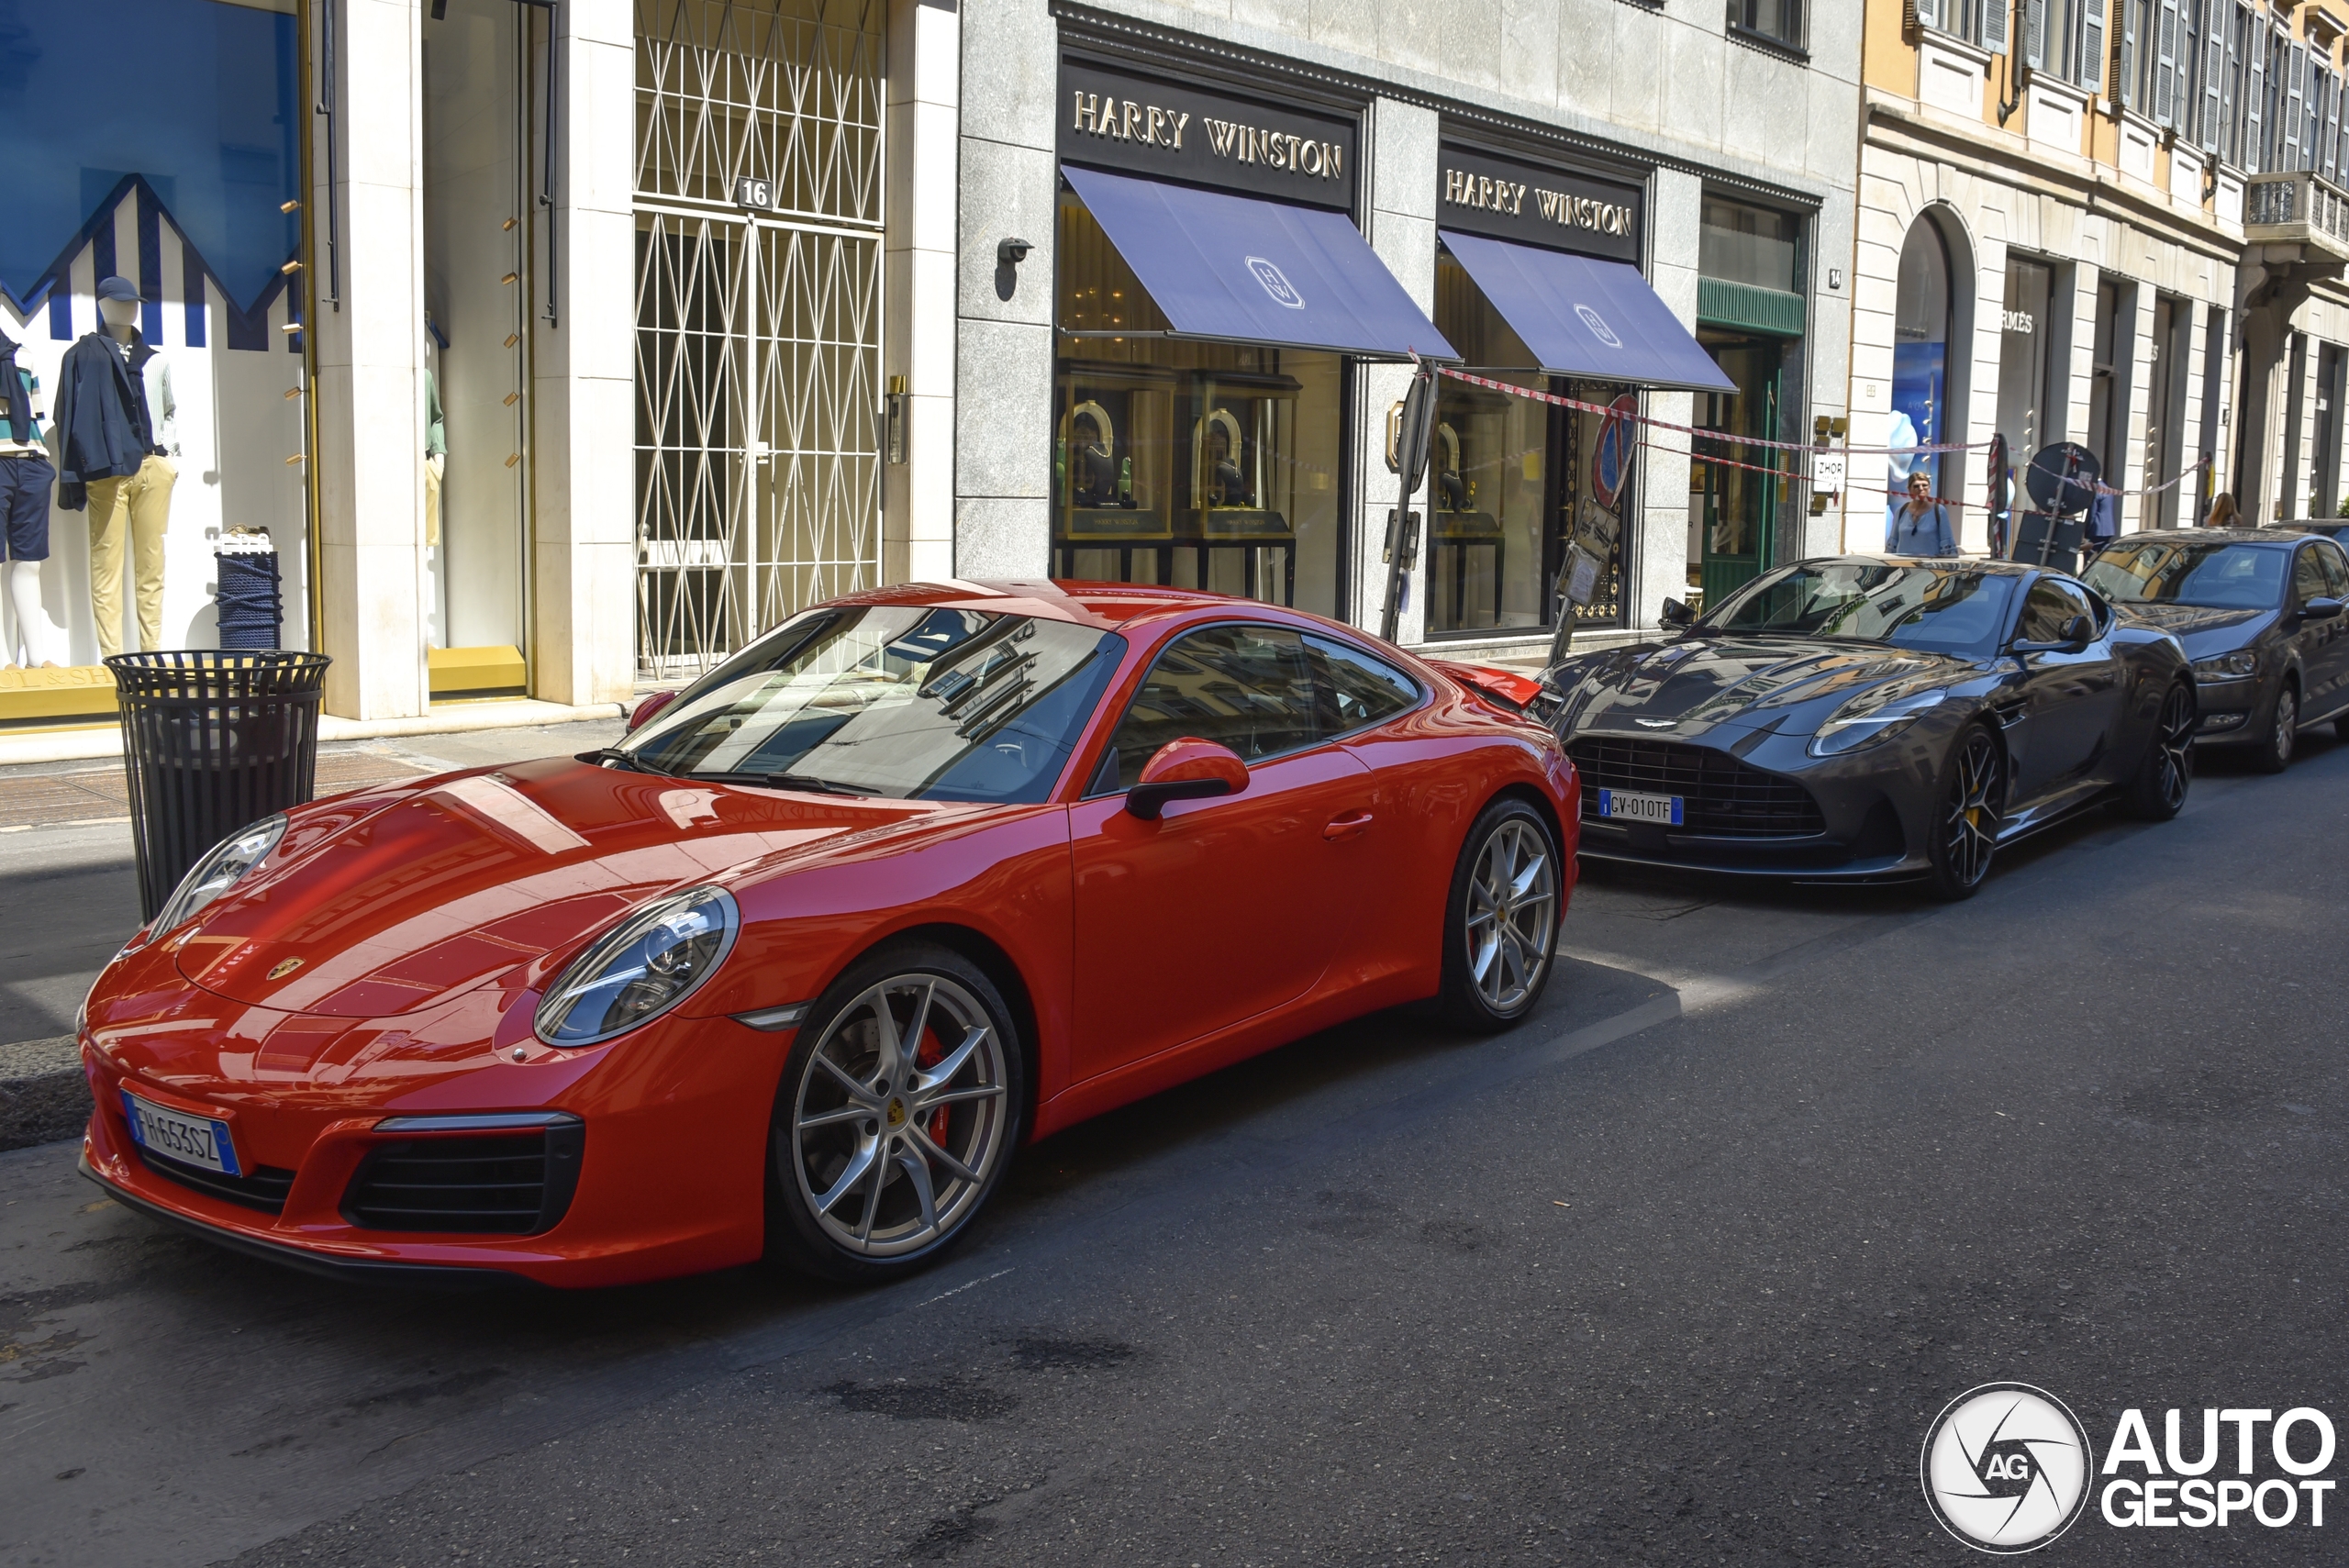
2091	72
2330	136
1929	13
2124	86
1992	32
2254	78
2214	70
2294	105
2034	34
2167	65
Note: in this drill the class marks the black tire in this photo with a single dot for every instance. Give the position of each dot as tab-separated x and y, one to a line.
920	1144
1967	809
2279	731
2156	791
1497	950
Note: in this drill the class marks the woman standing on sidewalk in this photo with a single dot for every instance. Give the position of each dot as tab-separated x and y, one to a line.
1920	527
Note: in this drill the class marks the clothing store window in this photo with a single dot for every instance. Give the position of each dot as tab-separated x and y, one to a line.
1197	464
2031	401
1921	329
478	221
1510	482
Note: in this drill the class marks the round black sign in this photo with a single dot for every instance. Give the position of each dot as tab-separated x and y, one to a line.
2063	477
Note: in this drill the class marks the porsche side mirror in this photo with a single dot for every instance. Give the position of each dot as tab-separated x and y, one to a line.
1675	613
2321	609
1188	769
648	708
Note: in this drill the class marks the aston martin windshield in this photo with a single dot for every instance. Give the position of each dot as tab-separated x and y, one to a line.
907	701
2207	574
1938	608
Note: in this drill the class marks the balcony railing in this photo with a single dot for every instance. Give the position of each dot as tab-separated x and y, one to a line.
2297	207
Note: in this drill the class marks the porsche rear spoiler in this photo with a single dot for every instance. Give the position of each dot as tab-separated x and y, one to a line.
1506	687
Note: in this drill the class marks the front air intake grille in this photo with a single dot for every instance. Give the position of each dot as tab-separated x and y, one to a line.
1722	796
264	1189
511	1183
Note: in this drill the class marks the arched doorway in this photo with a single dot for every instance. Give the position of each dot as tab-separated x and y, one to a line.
1921	412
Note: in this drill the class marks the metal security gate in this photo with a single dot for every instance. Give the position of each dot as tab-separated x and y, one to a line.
758	326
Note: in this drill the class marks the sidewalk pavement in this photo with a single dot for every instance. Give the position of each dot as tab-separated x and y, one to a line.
65	849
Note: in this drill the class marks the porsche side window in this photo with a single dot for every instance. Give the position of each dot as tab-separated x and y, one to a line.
2308	575
1357	690
2049	608
2336	568
1247	687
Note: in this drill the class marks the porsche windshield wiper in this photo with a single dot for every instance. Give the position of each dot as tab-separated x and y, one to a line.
806	781
618	756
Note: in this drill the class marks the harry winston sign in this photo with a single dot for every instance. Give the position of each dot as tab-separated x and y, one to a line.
1114	117
1536	204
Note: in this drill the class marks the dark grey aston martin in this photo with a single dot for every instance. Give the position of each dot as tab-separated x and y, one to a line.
1873	717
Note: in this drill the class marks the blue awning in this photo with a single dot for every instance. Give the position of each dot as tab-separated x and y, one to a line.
1244	270
1583	316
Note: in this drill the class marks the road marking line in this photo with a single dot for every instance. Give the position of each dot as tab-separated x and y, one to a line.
961	1288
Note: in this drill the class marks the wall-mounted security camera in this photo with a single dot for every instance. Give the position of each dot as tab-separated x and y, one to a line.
1011	252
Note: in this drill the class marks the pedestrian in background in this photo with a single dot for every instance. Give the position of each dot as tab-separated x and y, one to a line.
1922	525
2222	512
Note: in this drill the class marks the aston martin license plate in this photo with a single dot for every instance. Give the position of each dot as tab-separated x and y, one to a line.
192	1139
1622	805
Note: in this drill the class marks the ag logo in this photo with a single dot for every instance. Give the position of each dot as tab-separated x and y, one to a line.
1598	327
1275	284
2006	1468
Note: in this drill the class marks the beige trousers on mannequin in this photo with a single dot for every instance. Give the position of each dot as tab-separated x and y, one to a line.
137	506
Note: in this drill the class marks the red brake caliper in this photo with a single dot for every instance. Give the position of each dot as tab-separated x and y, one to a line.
929	1053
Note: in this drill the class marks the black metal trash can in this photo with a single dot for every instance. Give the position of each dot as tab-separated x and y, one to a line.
211	742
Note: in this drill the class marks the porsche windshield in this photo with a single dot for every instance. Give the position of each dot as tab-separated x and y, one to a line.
1939	610
2208	575
902	701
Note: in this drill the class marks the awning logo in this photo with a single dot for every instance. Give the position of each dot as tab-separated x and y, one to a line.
1598	327
2006	1468
1275	284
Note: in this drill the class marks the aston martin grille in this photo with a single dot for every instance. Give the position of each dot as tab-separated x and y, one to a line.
1723	797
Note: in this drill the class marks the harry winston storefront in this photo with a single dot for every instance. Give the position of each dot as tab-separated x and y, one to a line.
1246	255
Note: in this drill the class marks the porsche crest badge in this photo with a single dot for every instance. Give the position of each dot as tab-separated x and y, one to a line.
283	968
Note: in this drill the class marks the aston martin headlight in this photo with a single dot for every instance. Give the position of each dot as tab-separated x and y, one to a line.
2227	666
1870	717
645	965
217	872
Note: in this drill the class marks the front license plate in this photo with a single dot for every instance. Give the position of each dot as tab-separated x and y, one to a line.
191	1140
1625	807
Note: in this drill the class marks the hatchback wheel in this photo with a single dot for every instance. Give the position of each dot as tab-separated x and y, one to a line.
1502	920
2273	752
1965	823
897	1114
2157	791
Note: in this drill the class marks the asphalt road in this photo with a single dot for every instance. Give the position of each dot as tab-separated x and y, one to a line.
1679	1272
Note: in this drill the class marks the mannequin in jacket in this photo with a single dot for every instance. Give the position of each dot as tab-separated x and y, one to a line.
117	431
27	478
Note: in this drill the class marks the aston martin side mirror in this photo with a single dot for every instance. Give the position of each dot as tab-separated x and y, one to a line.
2320	609
1675	613
1188	769
2078	632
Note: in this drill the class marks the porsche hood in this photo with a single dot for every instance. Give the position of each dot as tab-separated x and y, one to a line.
383	906
1696	684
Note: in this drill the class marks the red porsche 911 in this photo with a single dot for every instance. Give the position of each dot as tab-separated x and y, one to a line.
793	969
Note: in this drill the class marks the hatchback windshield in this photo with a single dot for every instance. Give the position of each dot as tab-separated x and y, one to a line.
1938	608
2205	573
907	701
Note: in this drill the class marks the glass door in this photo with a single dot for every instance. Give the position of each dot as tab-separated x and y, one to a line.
1734	490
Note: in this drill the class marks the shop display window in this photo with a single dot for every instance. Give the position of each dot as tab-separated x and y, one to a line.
1196	464
1511	481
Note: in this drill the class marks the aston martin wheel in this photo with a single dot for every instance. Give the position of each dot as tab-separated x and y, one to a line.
1966	821
2273	754
2157	791
899	1111
1501	920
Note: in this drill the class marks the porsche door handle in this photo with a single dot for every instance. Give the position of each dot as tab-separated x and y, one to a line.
1352	824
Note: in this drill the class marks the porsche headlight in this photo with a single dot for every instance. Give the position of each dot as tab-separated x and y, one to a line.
217	872
645	965
1870	717
2227	666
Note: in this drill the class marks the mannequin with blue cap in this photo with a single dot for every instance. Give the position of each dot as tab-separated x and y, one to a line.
117	435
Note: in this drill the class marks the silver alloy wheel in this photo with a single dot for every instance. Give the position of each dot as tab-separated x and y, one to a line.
1511	914
2288	724
1970	824
2176	737
900	1116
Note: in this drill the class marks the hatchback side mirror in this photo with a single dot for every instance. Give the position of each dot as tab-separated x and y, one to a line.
647	709
1188	769
1675	613
2318	609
